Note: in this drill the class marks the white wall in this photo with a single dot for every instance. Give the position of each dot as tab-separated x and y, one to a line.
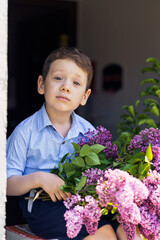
3	112
124	32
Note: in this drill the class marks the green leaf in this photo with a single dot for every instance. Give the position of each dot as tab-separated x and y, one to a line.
81	184
92	159
137	102
144	93
115	164
79	162
134	161
131	110
149	153
114	209
124	115
142	116
64	158
60	166
84	150
133	169
130	119
153	89
97	148
68	169
153	60
124	107
71	173
149	80
76	147
155	111
148	69
127	167
141	168
150	100
115	217
138	155
144	169
105	161
104	211
158	93
149	122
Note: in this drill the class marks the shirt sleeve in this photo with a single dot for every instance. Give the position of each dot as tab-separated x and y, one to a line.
16	153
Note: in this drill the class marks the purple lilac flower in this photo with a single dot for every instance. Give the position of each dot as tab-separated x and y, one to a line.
149	209
71	202
142	141
93	175
103	137
156	157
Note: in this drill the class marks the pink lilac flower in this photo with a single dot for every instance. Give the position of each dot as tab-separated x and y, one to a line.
74	221
103	137
91	215
129	228
118	188
85	211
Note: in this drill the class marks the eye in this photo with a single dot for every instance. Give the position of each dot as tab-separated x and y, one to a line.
58	78
76	83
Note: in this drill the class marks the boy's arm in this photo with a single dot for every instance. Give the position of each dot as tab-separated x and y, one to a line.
19	185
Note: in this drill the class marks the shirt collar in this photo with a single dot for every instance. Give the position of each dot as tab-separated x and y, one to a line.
43	119
76	127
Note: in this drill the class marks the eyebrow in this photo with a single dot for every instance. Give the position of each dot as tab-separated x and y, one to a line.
61	70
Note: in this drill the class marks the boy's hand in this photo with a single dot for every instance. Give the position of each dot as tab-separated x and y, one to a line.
50	184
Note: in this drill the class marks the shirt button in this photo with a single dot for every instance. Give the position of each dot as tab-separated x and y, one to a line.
63	142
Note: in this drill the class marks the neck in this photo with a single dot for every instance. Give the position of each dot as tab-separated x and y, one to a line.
61	121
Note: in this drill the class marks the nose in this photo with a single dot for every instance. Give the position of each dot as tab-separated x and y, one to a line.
65	87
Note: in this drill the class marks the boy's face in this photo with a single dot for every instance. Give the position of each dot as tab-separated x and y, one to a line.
64	88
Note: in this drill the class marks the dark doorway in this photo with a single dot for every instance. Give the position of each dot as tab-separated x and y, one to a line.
35	28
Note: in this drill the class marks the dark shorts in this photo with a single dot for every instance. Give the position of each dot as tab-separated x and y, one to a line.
47	219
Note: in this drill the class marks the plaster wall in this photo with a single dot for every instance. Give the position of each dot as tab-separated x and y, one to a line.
122	32
3	112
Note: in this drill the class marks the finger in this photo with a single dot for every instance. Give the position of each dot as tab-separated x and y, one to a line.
68	194
63	195
58	196
53	198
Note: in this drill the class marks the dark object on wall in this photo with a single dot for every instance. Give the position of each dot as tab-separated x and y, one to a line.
112	78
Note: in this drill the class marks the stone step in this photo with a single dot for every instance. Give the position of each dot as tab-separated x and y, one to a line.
21	232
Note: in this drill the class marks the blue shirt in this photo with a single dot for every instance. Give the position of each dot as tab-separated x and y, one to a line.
35	145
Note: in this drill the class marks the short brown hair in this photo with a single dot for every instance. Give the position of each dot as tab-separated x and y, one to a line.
74	54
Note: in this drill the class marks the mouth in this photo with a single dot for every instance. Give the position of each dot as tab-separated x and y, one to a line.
63	98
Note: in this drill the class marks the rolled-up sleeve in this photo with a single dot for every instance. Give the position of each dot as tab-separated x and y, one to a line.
16	154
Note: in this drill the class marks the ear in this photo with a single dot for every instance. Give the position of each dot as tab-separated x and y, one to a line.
40	85
85	97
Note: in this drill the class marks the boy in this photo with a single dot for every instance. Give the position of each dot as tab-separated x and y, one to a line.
40	141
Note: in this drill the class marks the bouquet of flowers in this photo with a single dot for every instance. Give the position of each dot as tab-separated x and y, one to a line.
99	174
